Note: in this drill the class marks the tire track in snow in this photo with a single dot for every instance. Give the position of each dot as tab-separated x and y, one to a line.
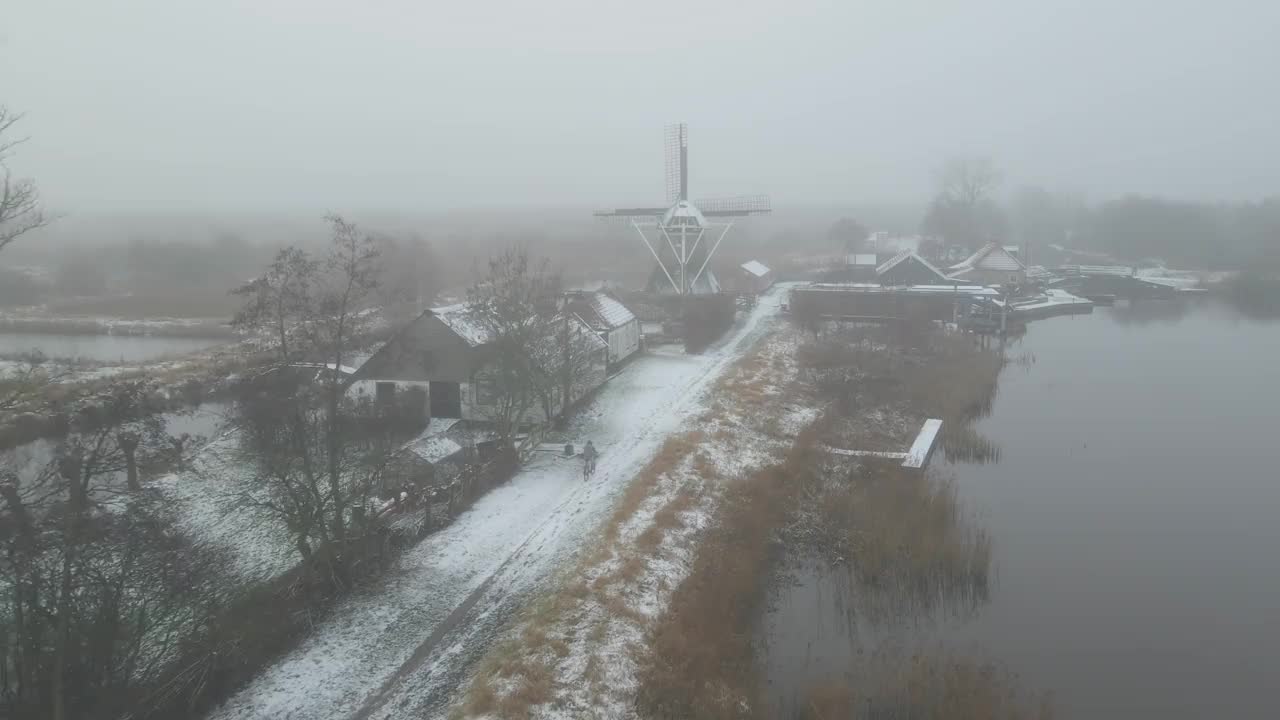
435	696
406	649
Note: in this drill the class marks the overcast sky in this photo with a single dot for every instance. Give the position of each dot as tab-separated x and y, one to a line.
308	105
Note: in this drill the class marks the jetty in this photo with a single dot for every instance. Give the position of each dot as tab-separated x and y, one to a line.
915	458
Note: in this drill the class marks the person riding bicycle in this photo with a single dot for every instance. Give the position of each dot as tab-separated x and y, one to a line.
589	456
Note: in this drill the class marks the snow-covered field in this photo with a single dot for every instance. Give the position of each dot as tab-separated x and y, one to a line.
404	647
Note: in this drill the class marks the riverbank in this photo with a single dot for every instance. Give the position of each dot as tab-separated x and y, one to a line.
578	650
41	324
46	395
900	534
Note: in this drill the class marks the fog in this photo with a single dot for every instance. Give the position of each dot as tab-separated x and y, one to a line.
302	107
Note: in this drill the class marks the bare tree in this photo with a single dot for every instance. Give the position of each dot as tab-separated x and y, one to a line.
967	181
277	301
314	310
963	212
573	358
514	305
98	583
849	234
284	435
408	276
20	209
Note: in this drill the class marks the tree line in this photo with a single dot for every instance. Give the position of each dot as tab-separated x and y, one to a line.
969	210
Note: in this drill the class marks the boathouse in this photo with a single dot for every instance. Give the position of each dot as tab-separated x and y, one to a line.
992	264
908	268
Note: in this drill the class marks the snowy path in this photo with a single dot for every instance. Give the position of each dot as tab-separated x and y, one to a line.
403	648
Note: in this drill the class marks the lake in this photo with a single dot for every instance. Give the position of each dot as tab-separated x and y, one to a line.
1136	548
104	348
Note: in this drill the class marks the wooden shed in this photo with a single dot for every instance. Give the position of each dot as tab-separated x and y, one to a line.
756	277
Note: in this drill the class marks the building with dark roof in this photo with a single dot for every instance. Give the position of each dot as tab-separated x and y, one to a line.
908	268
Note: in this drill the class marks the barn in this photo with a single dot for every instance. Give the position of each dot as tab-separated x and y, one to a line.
612	321
908	268
756	277
991	265
441	364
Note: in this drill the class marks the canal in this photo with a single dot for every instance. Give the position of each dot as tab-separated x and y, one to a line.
1135	548
102	348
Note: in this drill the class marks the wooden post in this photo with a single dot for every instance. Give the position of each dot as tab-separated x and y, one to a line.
128	442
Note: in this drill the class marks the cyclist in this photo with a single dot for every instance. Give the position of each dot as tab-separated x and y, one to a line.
589	456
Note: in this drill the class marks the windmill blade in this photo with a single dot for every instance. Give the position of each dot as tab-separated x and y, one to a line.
738	206
630	212
677	162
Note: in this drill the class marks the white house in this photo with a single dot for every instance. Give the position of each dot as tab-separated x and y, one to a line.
612	321
442	362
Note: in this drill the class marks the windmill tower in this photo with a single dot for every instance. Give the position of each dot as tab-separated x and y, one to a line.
684	236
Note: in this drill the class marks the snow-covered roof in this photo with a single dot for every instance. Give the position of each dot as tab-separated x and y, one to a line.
602	311
684	213
989	257
755	267
1120	270
344	369
432	448
876	288
462	320
901	257
548	351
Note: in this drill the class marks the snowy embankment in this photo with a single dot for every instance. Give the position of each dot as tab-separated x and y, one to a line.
576	651
405	646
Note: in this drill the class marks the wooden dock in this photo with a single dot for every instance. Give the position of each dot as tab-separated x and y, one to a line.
914	459
921	450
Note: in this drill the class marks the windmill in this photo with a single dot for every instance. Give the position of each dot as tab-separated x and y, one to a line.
684	236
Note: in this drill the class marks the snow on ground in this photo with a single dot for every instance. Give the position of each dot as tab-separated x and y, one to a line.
588	637
257	551
413	639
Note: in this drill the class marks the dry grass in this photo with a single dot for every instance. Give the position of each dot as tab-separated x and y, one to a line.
533	688
910	544
669	517
607	588
673	452
904	533
699	661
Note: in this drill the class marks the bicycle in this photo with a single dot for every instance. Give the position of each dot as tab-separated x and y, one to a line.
588	468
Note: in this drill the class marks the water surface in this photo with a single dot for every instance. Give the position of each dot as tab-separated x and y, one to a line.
1133	515
103	348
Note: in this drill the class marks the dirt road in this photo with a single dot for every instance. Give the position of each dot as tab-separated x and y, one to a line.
404	647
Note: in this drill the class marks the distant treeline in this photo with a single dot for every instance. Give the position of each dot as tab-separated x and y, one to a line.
1187	234
1135	228
968	211
181	278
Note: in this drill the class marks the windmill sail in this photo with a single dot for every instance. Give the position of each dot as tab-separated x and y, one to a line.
677	162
